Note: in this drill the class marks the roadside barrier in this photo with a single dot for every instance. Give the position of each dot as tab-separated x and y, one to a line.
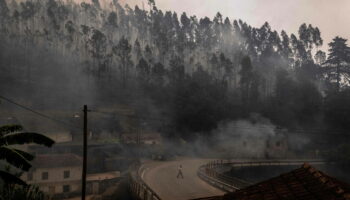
211	174
139	188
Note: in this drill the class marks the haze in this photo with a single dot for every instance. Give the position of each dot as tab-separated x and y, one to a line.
332	17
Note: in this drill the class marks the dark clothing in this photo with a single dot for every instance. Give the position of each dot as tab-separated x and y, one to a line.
179	174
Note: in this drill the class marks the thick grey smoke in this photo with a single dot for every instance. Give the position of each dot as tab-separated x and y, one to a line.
244	139
254	138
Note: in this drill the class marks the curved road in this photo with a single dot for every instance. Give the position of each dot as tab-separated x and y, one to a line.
161	177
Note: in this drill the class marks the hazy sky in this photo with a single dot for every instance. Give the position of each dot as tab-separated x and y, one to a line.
331	16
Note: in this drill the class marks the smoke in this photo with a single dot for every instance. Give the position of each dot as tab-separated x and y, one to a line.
255	138
243	138
298	142
46	78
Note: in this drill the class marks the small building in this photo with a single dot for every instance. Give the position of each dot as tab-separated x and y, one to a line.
56	174
276	146
142	138
100	182
60	137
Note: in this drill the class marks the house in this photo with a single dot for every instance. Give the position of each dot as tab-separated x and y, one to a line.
99	182
276	146
56	174
60	137
148	138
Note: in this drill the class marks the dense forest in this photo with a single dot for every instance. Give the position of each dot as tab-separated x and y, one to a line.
197	72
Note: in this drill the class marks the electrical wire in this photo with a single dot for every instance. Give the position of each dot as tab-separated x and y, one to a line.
255	127
127	116
39	113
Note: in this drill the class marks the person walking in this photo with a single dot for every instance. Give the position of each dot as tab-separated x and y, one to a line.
179	174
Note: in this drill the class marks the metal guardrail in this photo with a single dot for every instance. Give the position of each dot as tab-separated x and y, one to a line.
211	177
209	172
139	188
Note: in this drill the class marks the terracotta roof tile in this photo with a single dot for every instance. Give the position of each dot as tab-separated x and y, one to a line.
57	160
305	183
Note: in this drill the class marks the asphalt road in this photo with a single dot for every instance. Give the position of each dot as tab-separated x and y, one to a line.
161	177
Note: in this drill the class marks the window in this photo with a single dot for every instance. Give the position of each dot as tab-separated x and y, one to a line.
45	175
30	176
66	188
66	174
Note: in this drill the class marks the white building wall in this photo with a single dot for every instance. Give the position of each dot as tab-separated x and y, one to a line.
55	179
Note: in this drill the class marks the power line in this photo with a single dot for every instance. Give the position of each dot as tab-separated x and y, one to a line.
254	127
39	113
128	116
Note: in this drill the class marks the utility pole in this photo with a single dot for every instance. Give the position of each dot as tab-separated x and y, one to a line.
138	141
83	191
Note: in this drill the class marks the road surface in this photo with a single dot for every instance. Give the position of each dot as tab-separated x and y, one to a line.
161	177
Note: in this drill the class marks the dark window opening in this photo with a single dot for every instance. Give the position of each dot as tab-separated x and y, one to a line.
66	188
45	175
66	174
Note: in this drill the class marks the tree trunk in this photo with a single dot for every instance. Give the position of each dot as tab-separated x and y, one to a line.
338	78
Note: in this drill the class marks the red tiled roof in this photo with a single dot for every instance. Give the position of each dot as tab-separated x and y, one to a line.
57	160
305	183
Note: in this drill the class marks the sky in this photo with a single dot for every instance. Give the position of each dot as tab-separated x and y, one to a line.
331	16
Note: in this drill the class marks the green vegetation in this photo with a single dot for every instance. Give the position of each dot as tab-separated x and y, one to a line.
17	192
194	73
12	187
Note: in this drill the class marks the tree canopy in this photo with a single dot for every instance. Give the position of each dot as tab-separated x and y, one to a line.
199	71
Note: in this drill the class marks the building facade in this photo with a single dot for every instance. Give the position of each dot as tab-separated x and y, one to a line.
56	174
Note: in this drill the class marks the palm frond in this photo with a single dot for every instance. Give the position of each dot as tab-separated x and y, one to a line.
10	129
24	154
26	138
10	178
16	157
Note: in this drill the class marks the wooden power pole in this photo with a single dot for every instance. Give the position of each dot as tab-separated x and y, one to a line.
83	191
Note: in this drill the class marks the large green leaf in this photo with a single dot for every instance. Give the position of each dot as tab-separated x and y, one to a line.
10	178
9	129
16	157
24	154
26	138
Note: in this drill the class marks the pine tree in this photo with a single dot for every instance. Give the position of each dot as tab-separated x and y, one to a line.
338	59
122	51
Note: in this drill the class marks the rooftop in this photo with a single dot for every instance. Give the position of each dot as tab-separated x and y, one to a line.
57	160
305	183
103	176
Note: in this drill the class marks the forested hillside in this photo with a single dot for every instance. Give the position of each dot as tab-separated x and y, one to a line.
197	72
